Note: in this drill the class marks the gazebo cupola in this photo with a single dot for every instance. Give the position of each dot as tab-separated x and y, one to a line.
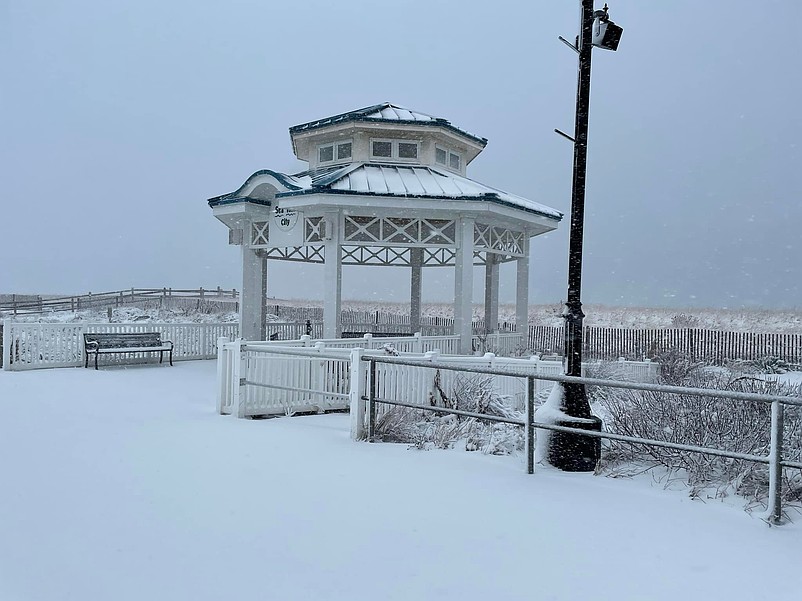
384	186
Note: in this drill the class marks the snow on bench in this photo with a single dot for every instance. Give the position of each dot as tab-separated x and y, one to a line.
133	342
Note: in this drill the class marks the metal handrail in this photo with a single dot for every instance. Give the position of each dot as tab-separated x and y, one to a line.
774	459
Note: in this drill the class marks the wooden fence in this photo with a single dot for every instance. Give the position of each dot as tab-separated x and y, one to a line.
200	298
711	346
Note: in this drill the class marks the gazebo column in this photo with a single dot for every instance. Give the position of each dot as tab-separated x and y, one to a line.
253	296
522	293
491	292
332	278
463	284
416	261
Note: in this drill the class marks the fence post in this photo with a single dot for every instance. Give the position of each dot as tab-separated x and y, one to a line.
775	510
530	428
417	345
371	408
653	370
306	339
6	345
237	398
223	385
318	376
356	392
368	340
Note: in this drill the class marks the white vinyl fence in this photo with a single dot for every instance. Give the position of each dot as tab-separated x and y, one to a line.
262	379
47	345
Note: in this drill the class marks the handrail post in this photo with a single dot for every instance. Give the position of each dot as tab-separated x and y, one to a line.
223	385
775	511
530	427
7	342
371	408
356	392
237	399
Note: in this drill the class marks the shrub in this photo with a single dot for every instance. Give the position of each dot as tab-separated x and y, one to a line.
430	429
736	426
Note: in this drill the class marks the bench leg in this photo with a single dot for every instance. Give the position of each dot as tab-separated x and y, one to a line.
171	357
161	357
96	356
86	363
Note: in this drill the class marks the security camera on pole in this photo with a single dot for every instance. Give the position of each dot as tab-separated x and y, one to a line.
567	450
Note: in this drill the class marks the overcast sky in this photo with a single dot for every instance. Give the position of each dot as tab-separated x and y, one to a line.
118	120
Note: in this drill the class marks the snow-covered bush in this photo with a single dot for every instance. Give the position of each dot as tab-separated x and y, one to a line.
736	426
430	429
770	365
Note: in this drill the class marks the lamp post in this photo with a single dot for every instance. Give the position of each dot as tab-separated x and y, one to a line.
568	451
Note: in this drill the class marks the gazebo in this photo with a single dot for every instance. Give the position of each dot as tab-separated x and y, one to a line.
385	186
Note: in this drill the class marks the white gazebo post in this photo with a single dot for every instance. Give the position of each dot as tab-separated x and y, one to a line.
332	278
463	284
491	293
416	286
522	292
254	294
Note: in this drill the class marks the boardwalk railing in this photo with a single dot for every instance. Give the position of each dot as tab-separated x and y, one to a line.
46	345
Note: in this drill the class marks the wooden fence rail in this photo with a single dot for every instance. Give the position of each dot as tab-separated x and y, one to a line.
28	304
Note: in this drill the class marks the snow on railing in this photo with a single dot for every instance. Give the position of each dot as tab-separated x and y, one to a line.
47	345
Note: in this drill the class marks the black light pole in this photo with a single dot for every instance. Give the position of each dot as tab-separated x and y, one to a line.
568	451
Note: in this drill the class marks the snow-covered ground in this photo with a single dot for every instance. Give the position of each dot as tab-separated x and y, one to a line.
124	484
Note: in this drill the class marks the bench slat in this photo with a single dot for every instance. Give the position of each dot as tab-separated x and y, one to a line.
123	340
132	349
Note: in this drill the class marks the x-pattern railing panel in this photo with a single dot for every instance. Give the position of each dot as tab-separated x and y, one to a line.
308	253
494	238
313	227
398	230
374	255
259	233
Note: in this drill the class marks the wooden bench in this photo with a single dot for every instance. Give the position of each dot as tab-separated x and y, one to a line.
135	342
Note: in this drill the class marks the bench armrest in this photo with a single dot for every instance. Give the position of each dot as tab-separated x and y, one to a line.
170	342
91	345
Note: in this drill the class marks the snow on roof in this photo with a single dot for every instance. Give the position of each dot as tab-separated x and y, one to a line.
416	181
392	112
385	112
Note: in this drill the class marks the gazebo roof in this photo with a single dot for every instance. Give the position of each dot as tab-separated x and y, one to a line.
385	180
385	113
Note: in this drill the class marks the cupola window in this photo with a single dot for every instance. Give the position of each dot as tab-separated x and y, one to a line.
447	158
339	151
407	150
381	148
394	149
